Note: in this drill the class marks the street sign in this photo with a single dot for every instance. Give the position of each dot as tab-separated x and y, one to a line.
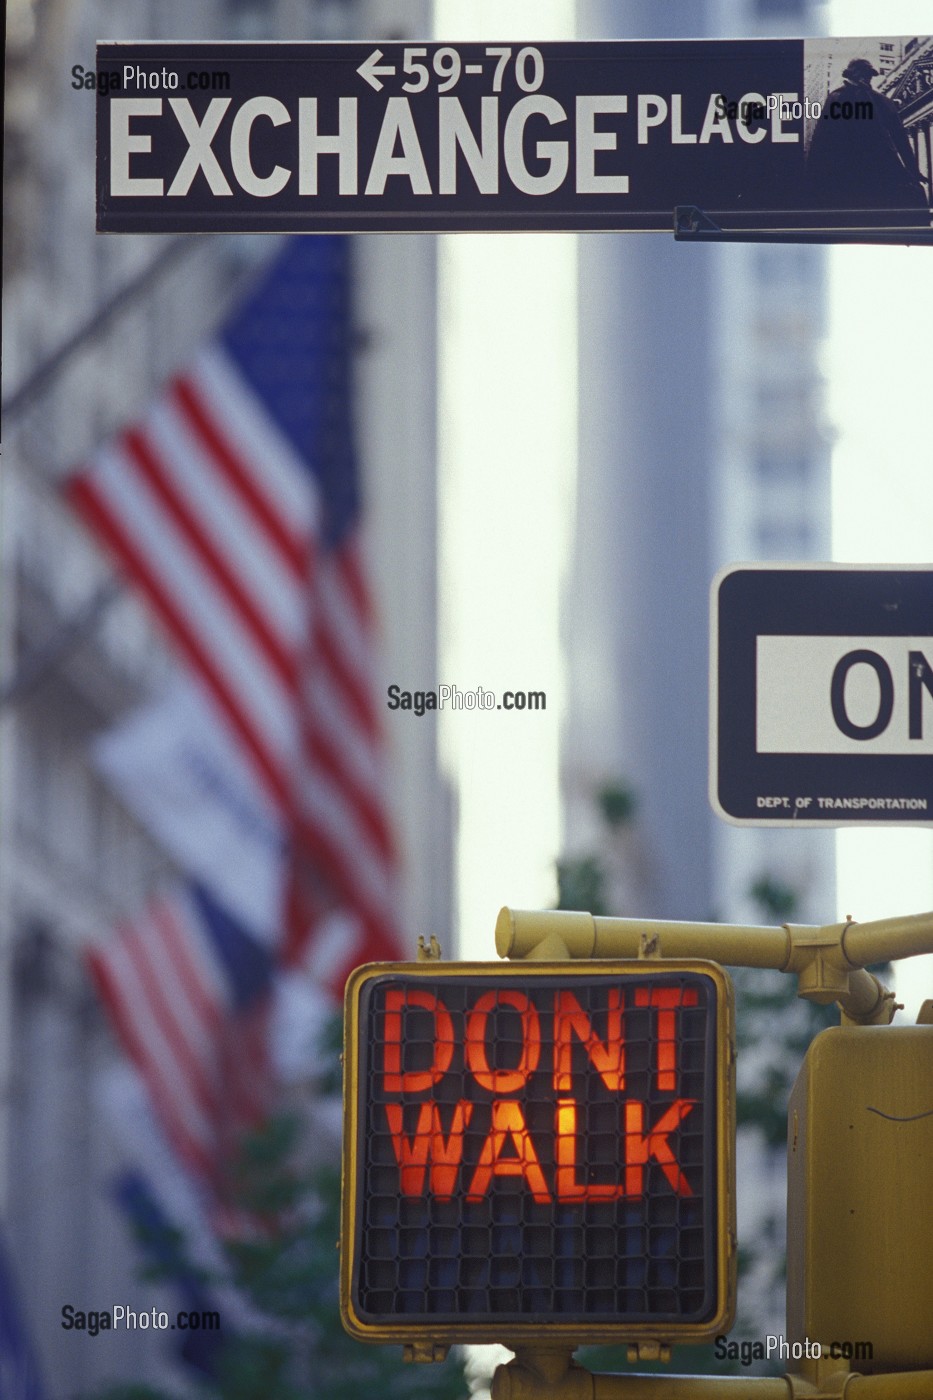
538	1151
821	695
311	137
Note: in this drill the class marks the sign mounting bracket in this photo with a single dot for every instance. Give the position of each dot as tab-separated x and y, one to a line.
694	225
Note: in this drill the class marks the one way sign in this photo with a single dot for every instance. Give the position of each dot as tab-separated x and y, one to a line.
821	695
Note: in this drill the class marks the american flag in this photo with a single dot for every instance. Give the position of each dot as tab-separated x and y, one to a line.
188	993
233	505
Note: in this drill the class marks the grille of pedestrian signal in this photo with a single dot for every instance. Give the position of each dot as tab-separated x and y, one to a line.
537	1147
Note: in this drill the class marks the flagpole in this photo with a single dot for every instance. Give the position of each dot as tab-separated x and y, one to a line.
45	372
81	624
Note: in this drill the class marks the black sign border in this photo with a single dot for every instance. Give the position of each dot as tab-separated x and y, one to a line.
738	215
749	601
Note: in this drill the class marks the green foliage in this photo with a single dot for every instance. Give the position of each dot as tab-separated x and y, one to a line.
581	885
130	1392
329	1080
773	1029
617	804
583	881
291	1276
287	1272
777	901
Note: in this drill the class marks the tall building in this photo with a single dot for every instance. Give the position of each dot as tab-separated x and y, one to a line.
702	443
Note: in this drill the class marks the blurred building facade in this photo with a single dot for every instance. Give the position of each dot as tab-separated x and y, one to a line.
79	652
702	443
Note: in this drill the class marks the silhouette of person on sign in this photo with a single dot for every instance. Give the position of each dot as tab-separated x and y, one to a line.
860	156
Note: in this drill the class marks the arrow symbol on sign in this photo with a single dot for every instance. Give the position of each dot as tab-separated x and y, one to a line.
370	70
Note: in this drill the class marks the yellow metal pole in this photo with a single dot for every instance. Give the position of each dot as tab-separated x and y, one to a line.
904	1385
884	940
520	931
695	1388
526	1378
523	1380
828	960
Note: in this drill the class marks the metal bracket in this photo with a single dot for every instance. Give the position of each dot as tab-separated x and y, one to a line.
430	952
694	225
690	222
648	1351
424	1351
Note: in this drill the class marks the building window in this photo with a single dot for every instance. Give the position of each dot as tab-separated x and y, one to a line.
780	265
784	539
788	400
250	19
767	9
774	465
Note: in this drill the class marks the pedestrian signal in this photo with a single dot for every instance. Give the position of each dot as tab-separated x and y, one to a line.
538	1150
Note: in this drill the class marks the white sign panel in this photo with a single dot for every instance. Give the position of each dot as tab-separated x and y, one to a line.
844	695
821	695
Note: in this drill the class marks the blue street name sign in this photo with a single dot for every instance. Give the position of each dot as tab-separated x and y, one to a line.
821	695
306	137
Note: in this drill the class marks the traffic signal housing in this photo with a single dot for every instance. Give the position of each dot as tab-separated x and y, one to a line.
859	1186
538	1152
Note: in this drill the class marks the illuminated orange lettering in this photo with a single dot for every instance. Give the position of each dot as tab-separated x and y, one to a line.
428	1145
567	1188
508	1124
641	1147
608	1056
415	1080
502	1081
667	1000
